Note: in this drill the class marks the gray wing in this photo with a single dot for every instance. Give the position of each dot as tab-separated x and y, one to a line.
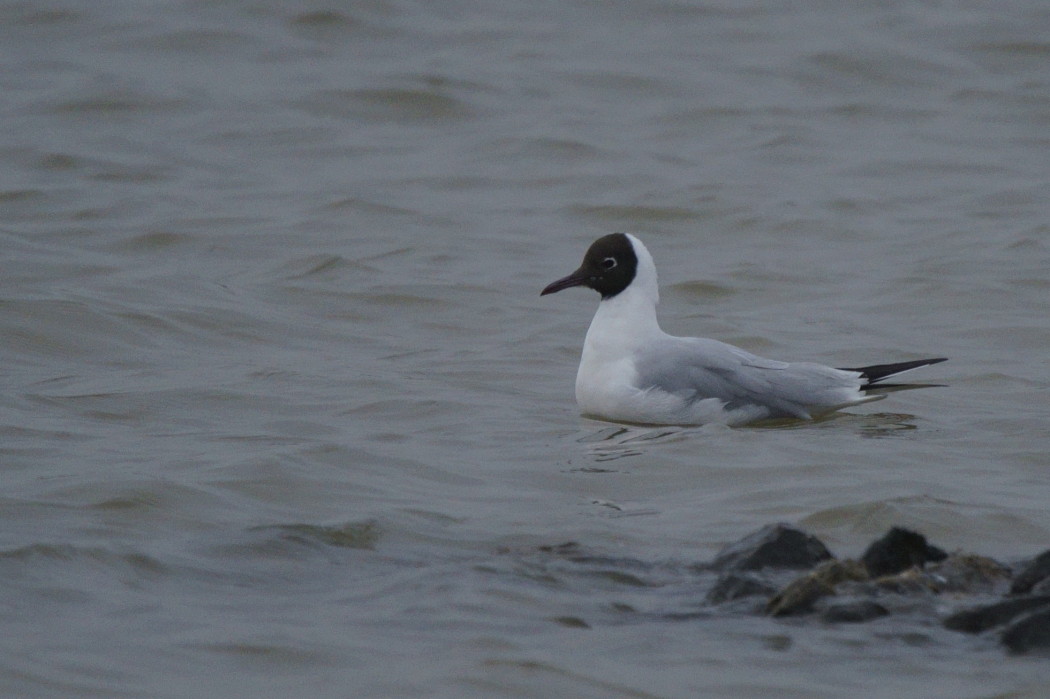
696	368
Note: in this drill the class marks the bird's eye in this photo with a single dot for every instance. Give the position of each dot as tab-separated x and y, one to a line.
608	263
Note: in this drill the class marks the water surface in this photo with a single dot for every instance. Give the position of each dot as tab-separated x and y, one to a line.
282	404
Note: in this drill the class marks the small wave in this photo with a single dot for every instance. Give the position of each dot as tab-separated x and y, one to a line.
352	535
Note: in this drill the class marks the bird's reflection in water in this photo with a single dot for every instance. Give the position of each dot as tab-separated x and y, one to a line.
613	442
872	425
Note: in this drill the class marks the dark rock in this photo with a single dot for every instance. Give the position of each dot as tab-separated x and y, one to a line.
800	595
733	586
1029	633
899	550
1037	570
853	612
978	619
773	546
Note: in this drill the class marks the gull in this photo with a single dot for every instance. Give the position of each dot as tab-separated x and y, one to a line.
631	371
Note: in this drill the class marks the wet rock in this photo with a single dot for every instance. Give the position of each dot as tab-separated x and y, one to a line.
959	573
971	574
773	546
899	550
734	586
800	595
1036	572
911	582
978	619
1030	633
900	574
853	612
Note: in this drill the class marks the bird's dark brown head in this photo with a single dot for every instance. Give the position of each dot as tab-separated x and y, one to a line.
608	267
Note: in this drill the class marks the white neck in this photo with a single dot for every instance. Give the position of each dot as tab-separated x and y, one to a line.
628	319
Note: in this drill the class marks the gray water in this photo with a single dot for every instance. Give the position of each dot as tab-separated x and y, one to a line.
283	412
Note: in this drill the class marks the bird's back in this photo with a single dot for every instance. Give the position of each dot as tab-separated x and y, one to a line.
699	369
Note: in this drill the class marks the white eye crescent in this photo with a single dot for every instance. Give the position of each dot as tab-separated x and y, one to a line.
608	263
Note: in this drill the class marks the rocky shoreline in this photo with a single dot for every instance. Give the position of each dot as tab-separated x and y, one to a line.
782	571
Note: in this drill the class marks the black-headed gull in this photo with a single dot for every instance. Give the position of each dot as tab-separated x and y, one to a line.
632	371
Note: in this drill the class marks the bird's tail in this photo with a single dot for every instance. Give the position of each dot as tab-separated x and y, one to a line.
875	373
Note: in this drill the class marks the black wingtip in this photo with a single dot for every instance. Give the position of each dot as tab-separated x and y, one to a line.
877	372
